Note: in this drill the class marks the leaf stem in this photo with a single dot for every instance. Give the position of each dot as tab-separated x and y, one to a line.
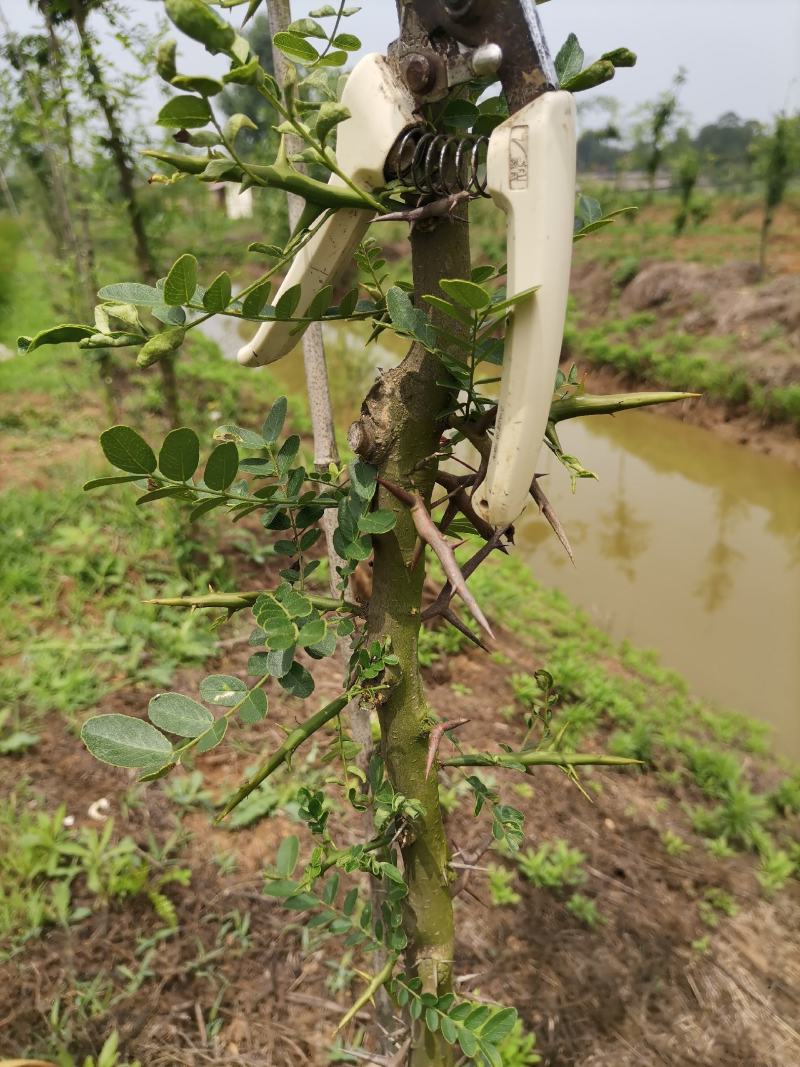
245	599
537	758
375	983
285	752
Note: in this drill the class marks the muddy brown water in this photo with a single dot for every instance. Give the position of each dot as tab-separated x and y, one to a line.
686	543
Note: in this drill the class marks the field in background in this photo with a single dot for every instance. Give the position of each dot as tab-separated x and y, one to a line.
666	901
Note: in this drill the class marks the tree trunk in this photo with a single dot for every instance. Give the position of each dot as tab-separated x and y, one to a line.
400	429
8	196
80	238
766	224
126	173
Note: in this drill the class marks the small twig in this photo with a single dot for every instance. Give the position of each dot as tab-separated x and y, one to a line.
436	736
284	753
460	497
435	209
470	859
400	1057
538	758
239	600
430	533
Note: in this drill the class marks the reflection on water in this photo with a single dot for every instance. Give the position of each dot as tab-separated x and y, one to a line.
686	544
689	545
624	536
715	584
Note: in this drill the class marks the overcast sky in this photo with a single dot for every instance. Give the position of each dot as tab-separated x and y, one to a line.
740	55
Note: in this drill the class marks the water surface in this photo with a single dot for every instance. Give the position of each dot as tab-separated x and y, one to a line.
687	543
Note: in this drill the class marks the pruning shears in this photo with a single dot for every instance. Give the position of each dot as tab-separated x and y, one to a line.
530	175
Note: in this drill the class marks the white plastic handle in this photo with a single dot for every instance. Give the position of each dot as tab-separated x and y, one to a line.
381	109
531	176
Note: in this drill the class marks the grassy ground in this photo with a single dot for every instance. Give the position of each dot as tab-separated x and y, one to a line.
650	917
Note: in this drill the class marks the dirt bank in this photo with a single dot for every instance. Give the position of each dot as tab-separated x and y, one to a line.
712	329
742	427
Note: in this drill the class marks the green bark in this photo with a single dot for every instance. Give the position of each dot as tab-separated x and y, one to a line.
398	431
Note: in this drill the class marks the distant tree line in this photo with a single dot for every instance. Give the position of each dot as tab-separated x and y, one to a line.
726	150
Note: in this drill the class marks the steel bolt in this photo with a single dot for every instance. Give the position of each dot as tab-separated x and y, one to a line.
419	73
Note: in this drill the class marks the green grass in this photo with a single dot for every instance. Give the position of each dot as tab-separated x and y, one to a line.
585	910
697	751
501	886
76	569
54	874
553	865
29	288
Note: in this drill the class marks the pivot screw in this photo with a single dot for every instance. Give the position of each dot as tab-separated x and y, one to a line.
486	59
458	9
419	73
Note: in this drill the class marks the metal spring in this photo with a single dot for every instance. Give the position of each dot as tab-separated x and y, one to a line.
439	164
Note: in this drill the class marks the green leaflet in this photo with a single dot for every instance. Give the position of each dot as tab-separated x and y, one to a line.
221	466
185	112
179	455
181	281
178	714
201	22
127	451
124	741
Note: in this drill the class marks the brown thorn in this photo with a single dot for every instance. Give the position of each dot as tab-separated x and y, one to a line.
475	896
399	492
436	736
450	513
464	463
435	209
450	616
440	605
416	556
546	508
487	419
428	531
473	431
464	502
442	499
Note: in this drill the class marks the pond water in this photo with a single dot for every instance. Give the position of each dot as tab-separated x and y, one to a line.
686	543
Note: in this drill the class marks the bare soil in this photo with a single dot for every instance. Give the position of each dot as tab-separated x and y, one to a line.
630	993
